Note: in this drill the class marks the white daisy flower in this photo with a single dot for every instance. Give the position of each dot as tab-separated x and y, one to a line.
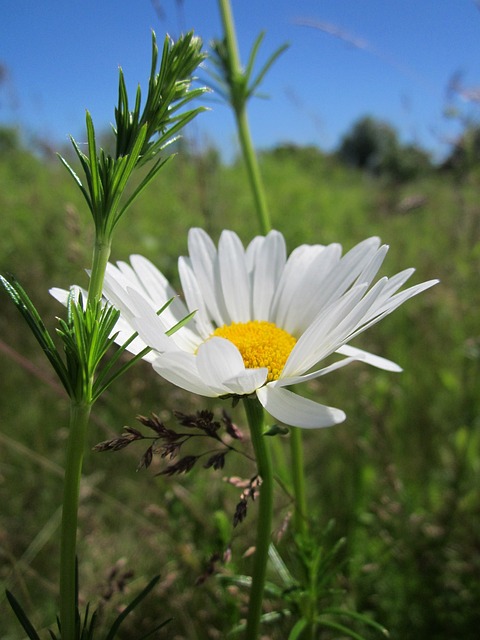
263	321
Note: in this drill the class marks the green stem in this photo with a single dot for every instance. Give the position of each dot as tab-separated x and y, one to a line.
101	254
254	413
79	414
238	101
230	35
253	170
297	463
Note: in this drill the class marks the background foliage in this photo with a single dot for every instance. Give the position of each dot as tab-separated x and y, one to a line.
399	479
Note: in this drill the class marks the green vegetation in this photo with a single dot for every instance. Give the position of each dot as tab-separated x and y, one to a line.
398	480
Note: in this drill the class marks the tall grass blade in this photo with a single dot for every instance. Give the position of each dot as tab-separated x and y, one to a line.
116	625
22	617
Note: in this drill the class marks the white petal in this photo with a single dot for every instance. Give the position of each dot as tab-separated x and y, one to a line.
158	288
326	279
218	360
248	381
290	283
287	382
308	298
338	332
62	295
151	329
392	304
115	291
180	369
292	409
221	367
394	283
204	262
348	269
234	277
194	298
356	317
268	266
369	358
399	298
371	269
253	250
316	343
124	331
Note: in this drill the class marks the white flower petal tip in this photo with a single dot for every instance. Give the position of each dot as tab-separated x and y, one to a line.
62	295
296	411
369	358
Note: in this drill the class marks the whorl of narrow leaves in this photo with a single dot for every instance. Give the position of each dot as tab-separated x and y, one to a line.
168	91
86	334
140	134
234	85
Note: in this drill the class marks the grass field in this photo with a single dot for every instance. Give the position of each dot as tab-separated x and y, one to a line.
399	480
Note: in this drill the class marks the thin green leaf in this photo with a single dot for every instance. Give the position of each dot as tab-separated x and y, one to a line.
145	182
126	166
266	68
22	617
131	607
100	386
192	94
297	630
96	188
72	173
281	568
266	618
338	611
86	168
26	307
340	627
84	161
180	324
182	122
160	626
253	55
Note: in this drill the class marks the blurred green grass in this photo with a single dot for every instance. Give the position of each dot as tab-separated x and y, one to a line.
399	478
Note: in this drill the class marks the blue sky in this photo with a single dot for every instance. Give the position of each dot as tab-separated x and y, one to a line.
392	59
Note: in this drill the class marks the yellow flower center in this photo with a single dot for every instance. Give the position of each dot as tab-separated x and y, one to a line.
261	343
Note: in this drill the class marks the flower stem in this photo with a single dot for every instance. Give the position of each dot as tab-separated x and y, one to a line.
101	254
297	463
253	171
254	413
79	414
239	104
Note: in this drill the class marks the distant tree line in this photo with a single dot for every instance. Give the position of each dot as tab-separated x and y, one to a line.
374	146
